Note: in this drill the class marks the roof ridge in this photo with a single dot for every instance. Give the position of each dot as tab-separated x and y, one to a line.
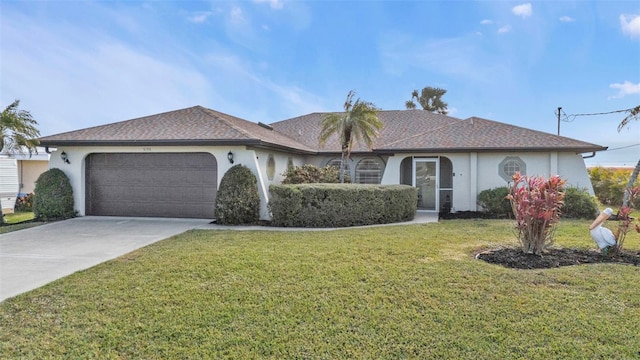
216	114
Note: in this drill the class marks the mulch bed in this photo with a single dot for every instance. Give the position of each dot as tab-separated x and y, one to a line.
515	258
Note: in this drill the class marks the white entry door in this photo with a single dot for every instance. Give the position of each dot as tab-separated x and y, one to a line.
425	178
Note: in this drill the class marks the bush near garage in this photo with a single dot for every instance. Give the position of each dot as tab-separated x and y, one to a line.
53	199
238	200
341	205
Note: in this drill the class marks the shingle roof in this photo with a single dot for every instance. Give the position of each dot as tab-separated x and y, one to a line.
194	125
398	124
419	130
403	131
479	134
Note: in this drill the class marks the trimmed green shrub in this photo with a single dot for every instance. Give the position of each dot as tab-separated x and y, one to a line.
579	204
495	203
238	200
53	198
341	205
308	174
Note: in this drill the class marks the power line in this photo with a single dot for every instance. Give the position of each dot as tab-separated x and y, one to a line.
623	147
572	117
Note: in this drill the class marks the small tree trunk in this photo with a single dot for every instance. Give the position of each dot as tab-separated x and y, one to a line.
343	162
632	180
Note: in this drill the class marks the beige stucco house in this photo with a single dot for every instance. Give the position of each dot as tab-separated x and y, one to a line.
170	164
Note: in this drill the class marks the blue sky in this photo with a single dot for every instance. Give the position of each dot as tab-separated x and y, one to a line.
76	64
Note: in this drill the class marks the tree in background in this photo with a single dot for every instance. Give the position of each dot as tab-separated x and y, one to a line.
430	99
358	122
18	130
633	115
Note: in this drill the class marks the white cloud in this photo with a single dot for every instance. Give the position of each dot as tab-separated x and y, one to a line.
626	88
505	29
567	19
630	25
236	16
200	17
461	58
275	4
523	10
486	22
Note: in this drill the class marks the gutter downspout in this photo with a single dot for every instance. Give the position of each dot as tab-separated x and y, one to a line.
593	154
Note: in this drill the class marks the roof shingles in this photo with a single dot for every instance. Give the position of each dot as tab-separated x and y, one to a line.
403	130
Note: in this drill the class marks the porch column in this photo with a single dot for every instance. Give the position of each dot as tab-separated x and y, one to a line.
553	163
473	181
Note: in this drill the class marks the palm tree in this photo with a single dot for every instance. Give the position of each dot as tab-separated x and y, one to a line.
430	99
358	122
18	130
633	115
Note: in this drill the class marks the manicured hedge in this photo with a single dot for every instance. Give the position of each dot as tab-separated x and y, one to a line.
341	205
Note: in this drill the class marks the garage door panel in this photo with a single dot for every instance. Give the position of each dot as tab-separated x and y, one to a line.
158	184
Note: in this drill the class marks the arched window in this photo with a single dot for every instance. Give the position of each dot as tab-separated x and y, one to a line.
271	167
369	171
511	165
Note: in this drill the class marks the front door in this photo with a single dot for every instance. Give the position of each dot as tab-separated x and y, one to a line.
425	178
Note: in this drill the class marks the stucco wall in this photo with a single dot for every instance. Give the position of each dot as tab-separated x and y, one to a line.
77	155
472	172
475	172
28	173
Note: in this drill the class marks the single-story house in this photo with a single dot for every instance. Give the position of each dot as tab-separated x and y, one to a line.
170	164
30	167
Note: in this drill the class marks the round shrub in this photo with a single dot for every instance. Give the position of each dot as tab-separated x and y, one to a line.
495	203
53	198
238	200
579	204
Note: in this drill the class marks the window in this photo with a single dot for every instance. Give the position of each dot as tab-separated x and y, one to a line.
368	171
336	164
511	165
271	167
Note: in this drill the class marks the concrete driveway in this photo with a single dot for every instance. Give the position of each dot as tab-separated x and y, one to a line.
34	257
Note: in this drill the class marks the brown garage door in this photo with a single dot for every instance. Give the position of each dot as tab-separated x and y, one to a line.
179	185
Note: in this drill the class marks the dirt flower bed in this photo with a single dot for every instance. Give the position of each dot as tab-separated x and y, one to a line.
555	257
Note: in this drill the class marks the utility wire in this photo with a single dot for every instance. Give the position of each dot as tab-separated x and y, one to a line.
572	117
623	147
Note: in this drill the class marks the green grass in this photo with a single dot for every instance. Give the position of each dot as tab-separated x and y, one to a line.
388	292
18	217
18	221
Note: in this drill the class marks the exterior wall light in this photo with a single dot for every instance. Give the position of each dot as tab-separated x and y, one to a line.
230	157
65	158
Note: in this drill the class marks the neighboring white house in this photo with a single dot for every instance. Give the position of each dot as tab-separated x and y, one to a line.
8	184
18	175
170	164
30	167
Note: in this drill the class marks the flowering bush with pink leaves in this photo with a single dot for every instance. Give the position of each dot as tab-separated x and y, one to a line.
536	203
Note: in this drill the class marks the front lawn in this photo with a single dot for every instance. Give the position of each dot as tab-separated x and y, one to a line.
386	292
18	221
